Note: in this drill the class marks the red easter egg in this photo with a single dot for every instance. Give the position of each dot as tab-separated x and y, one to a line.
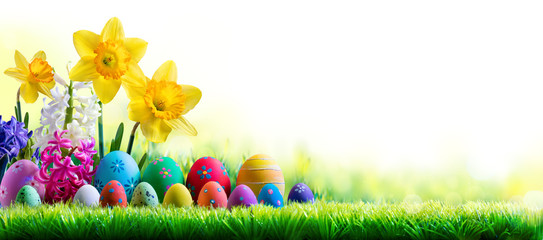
113	194
204	170
212	195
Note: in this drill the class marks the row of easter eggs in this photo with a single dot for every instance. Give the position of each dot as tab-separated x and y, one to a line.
161	175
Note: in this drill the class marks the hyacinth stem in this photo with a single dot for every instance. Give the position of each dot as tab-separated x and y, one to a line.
101	131
18	114
70	109
131	140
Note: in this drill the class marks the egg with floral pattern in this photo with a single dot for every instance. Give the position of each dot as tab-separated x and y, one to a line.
162	173
212	195
271	196
301	193
113	194
19	174
204	170
241	196
118	166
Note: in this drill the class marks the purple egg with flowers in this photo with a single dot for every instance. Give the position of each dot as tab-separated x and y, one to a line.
242	196
301	193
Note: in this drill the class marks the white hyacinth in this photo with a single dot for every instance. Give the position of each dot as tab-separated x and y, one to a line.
85	113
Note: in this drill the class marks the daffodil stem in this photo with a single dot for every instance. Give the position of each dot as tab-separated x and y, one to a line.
101	131
18	114
131	140
70	109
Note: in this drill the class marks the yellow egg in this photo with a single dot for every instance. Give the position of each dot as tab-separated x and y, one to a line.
178	195
260	170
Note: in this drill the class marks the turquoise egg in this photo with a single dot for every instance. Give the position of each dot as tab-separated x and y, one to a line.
118	166
270	195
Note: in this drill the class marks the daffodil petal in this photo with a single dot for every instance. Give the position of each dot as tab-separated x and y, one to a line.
113	30
134	81
137	48
84	70
182	124
106	89
86	42
29	92
50	84
193	96
21	62
40	54
138	111
155	130
16	73
44	89
166	72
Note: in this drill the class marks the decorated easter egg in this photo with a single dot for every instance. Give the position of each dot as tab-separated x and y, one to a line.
144	195
241	196
113	194
260	170
204	170
28	196
118	166
20	173
212	195
270	195
301	193
178	195
162	174
87	195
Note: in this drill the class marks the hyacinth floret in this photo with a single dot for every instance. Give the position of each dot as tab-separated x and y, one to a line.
64	178
13	137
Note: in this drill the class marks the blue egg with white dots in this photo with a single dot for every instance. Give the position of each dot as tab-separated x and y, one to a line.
120	166
242	196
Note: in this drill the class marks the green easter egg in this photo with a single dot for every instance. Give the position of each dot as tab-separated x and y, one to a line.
28	196
163	173
144	195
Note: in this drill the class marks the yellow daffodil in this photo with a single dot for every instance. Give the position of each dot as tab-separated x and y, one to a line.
36	76
159	104
107	59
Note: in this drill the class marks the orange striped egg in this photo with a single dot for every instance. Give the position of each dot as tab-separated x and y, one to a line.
260	170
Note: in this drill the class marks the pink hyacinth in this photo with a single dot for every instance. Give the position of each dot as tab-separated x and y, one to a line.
64	178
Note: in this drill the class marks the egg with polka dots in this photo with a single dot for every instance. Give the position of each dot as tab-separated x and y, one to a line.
271	196
144	195
113	194
242	196
28	196
212	195
301	193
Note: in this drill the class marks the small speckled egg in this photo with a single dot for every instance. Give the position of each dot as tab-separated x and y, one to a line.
20	173
178	195
87	195
260	170
204	170
242	196
212	195
301	193
118	166
28	196
270	195
144	195
113	195
162	174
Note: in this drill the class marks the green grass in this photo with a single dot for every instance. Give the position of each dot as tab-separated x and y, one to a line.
323	220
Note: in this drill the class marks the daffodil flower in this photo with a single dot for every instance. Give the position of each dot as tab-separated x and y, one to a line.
107	59
159	104
36	76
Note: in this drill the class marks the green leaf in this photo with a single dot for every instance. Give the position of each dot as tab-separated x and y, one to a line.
142	161
116	142
26	120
